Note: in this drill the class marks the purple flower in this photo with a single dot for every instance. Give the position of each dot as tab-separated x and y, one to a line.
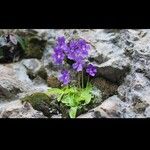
61	40
61	43
91	70
64	77
59	50
78	66
58	56
78	49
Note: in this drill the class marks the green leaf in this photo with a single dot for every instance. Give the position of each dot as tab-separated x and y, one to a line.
60	97
21	42
69	100
73	97
85	95
54	91
73	112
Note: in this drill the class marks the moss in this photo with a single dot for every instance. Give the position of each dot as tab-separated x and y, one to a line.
108	88
39	101
34	47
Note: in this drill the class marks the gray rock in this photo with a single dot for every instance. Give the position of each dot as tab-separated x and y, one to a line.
57	116
147	112
10	86
16	109
110	108
87	115
34	68
114	69
15	82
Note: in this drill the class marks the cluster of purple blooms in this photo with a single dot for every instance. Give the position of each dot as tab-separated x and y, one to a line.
76	50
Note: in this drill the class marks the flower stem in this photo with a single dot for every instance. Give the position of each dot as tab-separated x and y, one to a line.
82	80
78	80
88	80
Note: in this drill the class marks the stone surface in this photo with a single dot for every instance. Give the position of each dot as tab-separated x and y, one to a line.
53	82
16	109
30	43
10	85
107	88
34	68
110	108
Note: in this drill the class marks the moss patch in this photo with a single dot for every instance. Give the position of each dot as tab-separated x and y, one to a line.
39	101
34	47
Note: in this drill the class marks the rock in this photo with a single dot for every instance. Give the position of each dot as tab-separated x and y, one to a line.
43	103
10	86
53	82
34	68
15	83
39	101
139	107
11	48
122	58
109	58
110	108
113	70
136	86
147	112
107	88
87	115
30	44
57	116
20	72
35	41
16	109
35	47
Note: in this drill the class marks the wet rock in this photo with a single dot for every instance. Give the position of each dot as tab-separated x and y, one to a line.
16	109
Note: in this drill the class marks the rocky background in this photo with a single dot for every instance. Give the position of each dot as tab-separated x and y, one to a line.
122	83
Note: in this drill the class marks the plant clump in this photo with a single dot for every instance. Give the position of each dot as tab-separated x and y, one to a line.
75	53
